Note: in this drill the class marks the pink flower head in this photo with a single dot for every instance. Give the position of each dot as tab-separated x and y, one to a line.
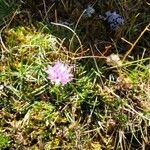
59	73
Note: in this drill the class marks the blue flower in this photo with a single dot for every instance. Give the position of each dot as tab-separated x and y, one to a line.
114	20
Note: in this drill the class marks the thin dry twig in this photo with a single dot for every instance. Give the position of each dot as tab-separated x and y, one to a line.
136	41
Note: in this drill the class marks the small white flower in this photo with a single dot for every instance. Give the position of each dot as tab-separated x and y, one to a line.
113	59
